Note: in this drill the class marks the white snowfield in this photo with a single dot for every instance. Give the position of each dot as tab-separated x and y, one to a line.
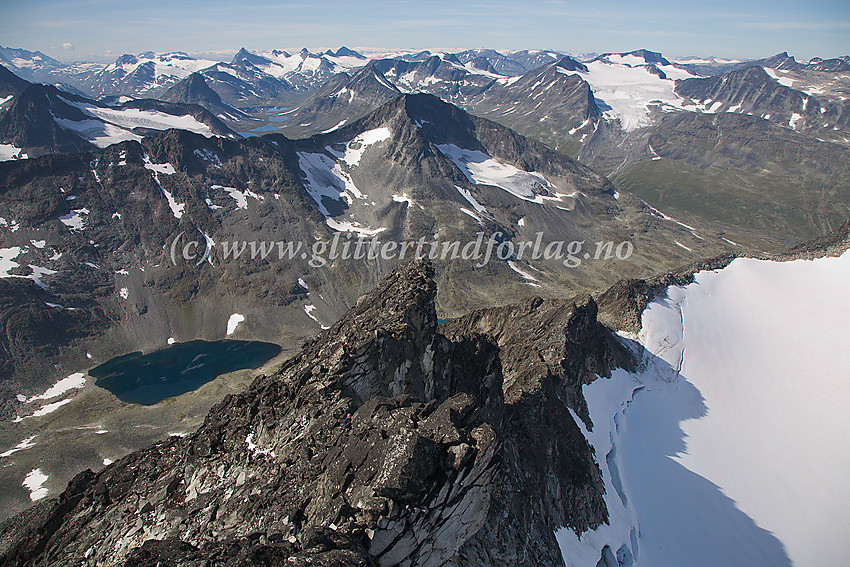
73	381
177	209
731	447
7	262
34	482
283	63
74	220
241	197
329	178
22	446
109	125
355	148
175	65
627	86
233	322
9	152
481	169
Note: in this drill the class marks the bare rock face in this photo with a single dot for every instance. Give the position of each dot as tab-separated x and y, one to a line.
621	306
388	440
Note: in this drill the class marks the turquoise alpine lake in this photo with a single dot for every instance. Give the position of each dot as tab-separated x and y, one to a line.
150	378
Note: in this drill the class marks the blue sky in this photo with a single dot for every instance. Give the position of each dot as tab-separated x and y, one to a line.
103	29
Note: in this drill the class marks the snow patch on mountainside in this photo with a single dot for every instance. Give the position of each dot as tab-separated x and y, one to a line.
109	125
512	265
784	81
481	169
22	446
9	152
99	133
153	119
177	209
731	445
478	207
323	181
630	91
73	381
241	197
74	219
233	322
354	227
355	148
7	262
328	181
34	482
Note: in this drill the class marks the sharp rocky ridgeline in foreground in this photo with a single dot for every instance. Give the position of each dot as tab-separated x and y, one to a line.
461	450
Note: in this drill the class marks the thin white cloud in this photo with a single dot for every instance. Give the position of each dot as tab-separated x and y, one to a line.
792	26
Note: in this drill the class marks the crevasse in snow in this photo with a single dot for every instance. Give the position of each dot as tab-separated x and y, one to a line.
730	447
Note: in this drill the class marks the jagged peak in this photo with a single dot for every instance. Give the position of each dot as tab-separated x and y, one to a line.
404	298
570	64
10	83
371	72
650	56
381	346
343	51
126	59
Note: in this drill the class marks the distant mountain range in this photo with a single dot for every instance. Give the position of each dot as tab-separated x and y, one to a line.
622	113
36	119
472	441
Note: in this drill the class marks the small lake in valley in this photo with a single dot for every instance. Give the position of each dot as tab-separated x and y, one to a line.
150	378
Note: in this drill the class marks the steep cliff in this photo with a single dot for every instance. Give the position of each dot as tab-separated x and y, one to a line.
388	440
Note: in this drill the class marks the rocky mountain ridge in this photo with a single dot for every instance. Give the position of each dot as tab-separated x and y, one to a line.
431	468
39	119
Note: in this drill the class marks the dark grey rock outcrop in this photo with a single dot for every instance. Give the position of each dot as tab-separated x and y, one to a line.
460	449
621	306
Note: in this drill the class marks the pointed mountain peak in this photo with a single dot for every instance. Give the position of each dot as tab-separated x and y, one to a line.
346	52
195	90
368	75
10	83
126	59
405	298
192	88
392	328
245	57
571	64
197	80
419	107
781	61
654	57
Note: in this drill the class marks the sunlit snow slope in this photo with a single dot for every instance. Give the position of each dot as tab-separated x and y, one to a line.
732	447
